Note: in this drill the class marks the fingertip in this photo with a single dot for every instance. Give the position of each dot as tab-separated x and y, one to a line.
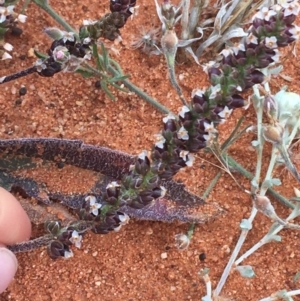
9	266
15	225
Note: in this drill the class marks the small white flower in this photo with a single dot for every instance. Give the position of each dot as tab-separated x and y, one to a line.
214	90
251	39
291	8
76	239
87	56
61	54
209	127
8	47
168	117
87	40
134	11
264	14
295	31
72	64
183	110
88	22
276	7
160	140
183	134
187	158
40	65
124	219
94	206
163	191
198	92
6	56
209	65
68	254
225	113
22	18
182	241
6	11
238	47
271	42
226	51
209	138
276	57
68	36
113	184
143	155
2	79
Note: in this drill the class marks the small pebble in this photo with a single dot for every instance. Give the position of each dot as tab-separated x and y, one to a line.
18	102
22	91
149	231
60	165
163	255
202	256
98	84
16	31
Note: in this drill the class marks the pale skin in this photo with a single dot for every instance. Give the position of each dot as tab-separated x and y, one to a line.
15	227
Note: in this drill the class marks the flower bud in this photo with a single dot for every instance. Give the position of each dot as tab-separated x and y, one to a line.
271	106
53	227
56	249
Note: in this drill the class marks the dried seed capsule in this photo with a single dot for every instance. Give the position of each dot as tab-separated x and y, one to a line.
273	134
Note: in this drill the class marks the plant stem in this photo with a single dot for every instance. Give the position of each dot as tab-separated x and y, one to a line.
241	170
234	255
191	230
285	294
275	229
257	101
31	244
211	185
19	74
185	20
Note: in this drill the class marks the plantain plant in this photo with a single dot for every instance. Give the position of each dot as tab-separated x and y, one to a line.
143	186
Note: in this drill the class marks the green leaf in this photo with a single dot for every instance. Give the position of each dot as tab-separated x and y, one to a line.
245	224
84	72
246	271
96	55
275	182
105	57
118	78
296	277
119	87
54	33
40	55
106	90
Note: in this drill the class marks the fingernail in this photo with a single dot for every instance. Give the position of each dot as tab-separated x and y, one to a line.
8	268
